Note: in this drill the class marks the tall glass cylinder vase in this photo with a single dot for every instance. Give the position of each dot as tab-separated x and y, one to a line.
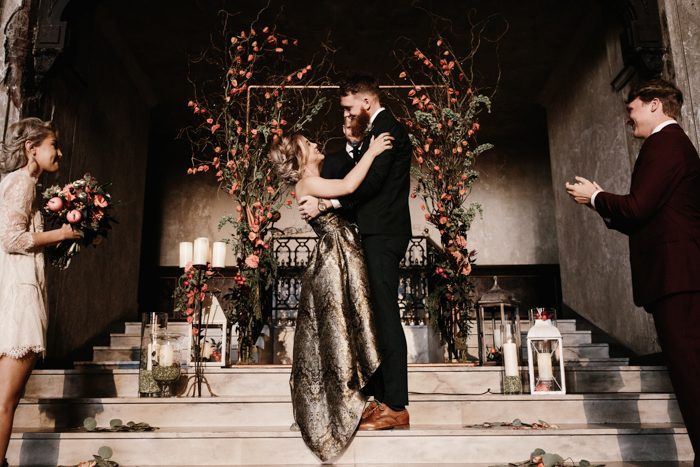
152	324
512	384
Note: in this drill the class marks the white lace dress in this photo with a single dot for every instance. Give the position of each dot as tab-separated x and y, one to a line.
23	312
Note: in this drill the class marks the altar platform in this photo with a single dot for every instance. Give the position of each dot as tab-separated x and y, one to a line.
614	413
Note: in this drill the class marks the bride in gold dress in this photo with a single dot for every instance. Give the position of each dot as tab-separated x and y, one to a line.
335	350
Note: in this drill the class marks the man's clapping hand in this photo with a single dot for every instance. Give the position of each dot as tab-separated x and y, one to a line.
582	190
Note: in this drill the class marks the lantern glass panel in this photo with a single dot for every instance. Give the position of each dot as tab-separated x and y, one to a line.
548	375
490	321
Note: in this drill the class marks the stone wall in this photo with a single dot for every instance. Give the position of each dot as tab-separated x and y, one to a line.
103	126
515	191
680	20
9	11
588	137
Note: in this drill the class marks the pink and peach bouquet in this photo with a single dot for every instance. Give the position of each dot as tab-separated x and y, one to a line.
86	206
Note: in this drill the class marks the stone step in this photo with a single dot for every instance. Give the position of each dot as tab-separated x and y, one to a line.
273	380
576	352
420	444
572	351
470	464
570	338
134	327
277	410
564	325
462	464
117	364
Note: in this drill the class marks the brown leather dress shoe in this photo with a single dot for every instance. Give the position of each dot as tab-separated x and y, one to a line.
384	418
369	408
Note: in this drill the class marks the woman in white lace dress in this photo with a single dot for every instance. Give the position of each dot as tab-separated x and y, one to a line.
29	149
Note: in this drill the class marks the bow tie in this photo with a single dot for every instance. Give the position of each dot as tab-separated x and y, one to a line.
355	152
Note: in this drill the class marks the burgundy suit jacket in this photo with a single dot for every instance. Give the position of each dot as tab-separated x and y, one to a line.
661	216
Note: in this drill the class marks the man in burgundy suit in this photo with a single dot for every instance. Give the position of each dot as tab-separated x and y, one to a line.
661	216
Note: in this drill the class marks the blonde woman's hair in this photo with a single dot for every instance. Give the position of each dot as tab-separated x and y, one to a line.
13	155
287	157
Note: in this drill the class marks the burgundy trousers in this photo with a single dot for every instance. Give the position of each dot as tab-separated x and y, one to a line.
677	320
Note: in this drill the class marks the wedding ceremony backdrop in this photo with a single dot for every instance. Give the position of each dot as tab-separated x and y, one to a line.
129	86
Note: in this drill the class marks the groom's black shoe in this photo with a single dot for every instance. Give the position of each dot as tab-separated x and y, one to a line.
383	417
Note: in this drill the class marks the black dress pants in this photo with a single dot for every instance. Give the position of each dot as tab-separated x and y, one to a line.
383	253
677	320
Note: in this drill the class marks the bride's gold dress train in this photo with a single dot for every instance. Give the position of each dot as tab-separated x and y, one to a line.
335	350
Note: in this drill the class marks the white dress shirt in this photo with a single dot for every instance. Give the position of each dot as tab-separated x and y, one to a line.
658	128
374	116
349	149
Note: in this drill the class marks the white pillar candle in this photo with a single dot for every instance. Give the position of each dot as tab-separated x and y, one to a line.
185	253
149	358
207	350
497	341
167	356
510	359
218	255
201	251
544	366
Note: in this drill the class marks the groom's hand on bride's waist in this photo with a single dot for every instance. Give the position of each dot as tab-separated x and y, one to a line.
308	207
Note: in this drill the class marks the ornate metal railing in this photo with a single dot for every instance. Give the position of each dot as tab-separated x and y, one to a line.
293	254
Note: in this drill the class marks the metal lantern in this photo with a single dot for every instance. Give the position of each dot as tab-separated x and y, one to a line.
500	308
545	350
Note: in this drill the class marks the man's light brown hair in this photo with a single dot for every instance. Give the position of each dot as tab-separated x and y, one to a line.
667	93
359	83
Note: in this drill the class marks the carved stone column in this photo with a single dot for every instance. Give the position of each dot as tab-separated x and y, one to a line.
680	20
33	36
14	57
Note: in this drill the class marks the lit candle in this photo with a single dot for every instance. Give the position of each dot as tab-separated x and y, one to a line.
201	251
185	253
544	366
167	356
510	358
218	255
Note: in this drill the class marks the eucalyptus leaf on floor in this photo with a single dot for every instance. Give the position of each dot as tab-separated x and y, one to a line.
116	425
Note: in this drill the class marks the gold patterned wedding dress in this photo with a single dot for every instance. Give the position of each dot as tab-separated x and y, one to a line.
335	350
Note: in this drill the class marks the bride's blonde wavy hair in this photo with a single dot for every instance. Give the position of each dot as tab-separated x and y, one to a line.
13	155
287	157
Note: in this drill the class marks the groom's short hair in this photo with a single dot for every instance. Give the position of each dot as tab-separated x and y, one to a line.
359	83
667	93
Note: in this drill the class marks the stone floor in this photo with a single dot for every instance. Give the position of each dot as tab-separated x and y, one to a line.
612	411
609	464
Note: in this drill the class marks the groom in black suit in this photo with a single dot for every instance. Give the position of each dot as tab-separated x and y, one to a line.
380	205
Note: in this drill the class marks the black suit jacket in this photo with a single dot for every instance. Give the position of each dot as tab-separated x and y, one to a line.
336	165
661	216
381	200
